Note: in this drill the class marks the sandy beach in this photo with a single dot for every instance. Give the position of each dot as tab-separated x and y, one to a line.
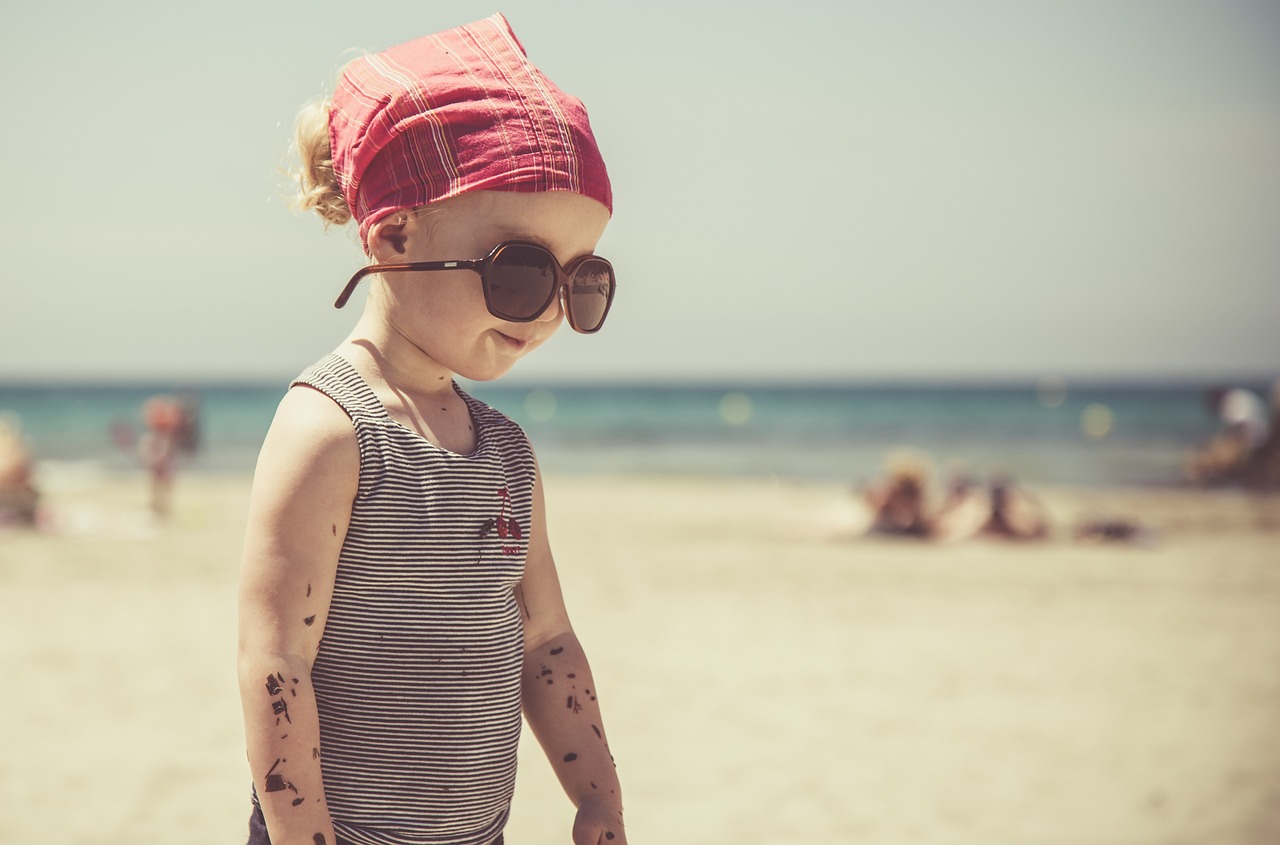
765	679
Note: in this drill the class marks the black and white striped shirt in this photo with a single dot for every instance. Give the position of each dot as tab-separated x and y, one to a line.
417	678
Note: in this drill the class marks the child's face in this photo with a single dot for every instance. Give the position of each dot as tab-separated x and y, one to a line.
443	313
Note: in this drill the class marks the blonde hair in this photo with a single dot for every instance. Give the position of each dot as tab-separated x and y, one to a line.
317	182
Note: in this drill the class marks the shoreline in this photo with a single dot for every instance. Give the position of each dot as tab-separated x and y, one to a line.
1181	507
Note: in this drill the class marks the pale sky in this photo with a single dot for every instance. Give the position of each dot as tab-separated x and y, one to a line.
803	190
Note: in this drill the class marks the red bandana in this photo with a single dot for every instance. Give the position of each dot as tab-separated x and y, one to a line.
462	110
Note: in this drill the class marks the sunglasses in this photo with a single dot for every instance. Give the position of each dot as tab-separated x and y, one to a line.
520	281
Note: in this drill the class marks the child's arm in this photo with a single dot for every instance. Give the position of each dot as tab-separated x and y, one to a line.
298	513
560	697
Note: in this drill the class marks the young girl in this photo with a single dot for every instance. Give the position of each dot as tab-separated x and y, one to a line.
399	603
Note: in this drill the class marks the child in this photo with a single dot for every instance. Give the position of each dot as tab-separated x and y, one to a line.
399	603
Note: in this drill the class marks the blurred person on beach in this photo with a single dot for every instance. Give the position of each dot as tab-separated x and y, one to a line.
19	498
399	603
963	512
187	437
1263	471
170	428
1243	429
165	422
1014	513
898	502
900	505
1108	528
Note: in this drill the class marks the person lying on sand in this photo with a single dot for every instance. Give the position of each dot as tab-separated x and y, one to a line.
18	495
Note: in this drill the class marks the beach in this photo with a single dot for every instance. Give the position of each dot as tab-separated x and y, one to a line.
765	676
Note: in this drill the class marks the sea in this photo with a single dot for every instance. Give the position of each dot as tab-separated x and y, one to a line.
1041	431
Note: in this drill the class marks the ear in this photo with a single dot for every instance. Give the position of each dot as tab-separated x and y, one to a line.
387	237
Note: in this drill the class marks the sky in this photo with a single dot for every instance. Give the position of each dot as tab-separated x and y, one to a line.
803	191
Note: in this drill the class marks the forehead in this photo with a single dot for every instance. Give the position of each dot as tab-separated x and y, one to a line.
566	223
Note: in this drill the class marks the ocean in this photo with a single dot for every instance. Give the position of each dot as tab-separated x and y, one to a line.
1050	432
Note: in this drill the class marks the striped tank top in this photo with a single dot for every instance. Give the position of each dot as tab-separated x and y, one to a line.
417	678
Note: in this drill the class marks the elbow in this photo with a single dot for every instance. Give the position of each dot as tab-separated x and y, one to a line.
266	645
256	665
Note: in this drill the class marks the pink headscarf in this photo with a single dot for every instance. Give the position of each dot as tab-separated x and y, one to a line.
462	110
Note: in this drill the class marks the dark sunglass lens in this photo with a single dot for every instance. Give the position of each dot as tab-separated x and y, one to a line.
590	291
522	282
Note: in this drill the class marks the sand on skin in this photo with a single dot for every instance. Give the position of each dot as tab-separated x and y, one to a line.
762	681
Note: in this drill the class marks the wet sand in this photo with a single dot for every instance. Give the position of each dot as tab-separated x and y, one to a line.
765	678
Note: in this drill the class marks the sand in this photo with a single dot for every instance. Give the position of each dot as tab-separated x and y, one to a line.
765	679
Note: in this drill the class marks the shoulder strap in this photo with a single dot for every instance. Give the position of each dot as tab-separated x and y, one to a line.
334	376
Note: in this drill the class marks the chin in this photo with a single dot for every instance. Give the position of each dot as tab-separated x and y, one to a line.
489	372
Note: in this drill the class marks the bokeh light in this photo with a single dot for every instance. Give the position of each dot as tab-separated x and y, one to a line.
540	405
1097	420
736	409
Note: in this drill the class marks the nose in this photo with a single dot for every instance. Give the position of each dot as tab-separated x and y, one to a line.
555	310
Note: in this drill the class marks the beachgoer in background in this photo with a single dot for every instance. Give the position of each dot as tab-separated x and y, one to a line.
1015	514
164	418
963	512
1264	468
900	505
399	602
19	498
1243	430
1244	416
899	502
1101	528
187	437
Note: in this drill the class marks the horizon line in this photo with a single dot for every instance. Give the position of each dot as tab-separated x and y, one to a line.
683	380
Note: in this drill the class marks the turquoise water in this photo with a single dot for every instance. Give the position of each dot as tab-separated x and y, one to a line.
1096	434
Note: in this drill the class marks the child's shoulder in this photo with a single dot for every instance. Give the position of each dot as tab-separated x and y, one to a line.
310	441
309	413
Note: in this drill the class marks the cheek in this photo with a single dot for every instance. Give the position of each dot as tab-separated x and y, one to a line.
453	300
464	295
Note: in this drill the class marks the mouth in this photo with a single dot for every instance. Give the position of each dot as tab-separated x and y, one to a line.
515	344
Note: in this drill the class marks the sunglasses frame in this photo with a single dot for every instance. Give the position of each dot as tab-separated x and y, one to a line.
481	266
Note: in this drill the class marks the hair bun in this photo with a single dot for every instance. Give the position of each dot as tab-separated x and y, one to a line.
317	182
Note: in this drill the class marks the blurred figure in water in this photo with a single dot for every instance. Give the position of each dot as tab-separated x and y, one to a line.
1244	429
18	494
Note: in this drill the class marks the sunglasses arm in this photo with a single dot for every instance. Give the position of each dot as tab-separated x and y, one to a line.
416	266
351	285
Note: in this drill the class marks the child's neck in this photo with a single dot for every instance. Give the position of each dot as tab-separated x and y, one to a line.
415	391
397	361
